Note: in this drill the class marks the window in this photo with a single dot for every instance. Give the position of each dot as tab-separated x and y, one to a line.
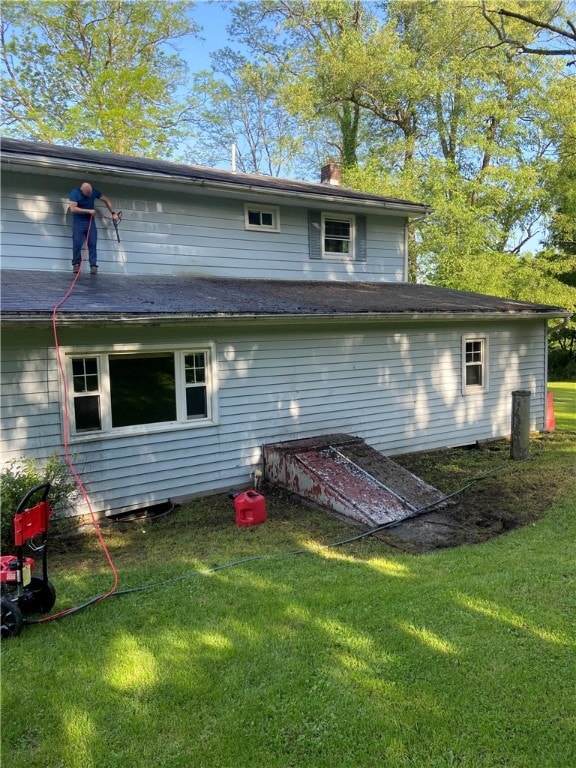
138	391
474	365
262	217
86	381
337	236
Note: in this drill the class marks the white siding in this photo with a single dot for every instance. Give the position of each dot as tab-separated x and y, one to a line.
168	233
398	387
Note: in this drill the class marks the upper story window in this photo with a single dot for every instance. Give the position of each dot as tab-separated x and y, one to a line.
134	391
337	236
258	217
474	364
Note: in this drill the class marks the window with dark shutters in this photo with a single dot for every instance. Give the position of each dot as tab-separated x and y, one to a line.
337	236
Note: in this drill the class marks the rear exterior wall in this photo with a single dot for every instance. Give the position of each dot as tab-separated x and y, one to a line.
397	386
183	232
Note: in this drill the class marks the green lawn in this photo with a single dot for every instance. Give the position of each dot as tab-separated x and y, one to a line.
343	657
564	404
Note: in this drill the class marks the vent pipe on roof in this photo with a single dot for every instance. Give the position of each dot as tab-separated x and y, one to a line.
331	173
233	157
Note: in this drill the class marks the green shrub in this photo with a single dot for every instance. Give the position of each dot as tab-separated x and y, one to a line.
18	477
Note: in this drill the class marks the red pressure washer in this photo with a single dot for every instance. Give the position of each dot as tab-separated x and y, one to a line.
22	593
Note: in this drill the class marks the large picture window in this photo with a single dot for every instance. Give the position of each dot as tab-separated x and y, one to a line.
139	390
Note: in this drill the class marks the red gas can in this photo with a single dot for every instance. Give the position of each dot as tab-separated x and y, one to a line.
250	508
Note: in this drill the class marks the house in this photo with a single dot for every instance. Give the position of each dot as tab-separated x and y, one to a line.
236	311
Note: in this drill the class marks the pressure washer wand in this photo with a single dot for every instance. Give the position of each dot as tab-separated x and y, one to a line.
119	214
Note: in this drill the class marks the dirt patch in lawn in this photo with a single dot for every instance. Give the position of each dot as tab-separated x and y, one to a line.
494	495
497	494
454	526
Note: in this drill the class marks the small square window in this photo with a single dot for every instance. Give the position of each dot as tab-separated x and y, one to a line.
263	218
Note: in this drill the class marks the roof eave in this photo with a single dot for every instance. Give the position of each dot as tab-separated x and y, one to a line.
239	189
73	319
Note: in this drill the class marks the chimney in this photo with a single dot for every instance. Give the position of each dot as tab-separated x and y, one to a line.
331	173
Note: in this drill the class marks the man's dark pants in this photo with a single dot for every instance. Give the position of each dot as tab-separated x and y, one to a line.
81	227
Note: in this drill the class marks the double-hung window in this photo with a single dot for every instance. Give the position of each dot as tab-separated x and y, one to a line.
124	390
338	236
474	364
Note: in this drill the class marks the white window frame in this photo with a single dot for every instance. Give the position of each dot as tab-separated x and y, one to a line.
349	219
102	357
468	389
273	210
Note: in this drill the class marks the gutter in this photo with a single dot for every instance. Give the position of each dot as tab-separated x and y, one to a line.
217	186
74	319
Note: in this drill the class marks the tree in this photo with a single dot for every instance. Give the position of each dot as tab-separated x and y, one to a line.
96	73
442	115
297	37
467	120
550	21
236	104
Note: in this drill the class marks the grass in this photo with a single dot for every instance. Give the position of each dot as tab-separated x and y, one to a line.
345	656
564	404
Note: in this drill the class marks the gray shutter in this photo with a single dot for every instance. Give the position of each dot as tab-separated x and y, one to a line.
315	234
360	238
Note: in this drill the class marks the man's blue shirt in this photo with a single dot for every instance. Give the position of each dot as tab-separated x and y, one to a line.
84	201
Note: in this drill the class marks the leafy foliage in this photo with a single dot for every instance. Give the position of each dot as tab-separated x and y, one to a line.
18	477
550	23
562	353
97	74
439	111
237	104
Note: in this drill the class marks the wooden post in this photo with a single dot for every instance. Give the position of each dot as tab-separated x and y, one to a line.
520	442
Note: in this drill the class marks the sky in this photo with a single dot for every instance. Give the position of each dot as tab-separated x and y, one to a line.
213	17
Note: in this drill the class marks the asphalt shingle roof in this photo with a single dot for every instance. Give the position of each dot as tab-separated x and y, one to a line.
195	174
28	293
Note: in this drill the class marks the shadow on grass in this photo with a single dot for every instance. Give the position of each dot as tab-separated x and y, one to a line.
339	657
344	656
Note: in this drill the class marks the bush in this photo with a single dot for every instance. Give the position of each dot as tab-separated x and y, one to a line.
18	477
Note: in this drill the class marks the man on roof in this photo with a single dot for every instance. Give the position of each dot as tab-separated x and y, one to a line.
82	201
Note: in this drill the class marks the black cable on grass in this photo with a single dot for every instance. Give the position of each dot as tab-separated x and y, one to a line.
253	558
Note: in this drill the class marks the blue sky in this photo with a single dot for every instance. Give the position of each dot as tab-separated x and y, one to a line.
213	17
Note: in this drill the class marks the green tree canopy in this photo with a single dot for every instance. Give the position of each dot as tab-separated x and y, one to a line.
443	113
96	73
236	104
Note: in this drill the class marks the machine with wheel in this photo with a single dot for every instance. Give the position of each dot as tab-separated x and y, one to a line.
22	593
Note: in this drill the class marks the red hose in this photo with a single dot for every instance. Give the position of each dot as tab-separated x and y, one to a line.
67	456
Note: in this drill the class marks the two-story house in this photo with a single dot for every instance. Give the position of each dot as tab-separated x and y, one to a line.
235	311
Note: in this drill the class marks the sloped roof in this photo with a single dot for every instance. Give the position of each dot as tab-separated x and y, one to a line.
21	154
32	295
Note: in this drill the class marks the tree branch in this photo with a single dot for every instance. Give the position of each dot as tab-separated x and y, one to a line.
567	32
